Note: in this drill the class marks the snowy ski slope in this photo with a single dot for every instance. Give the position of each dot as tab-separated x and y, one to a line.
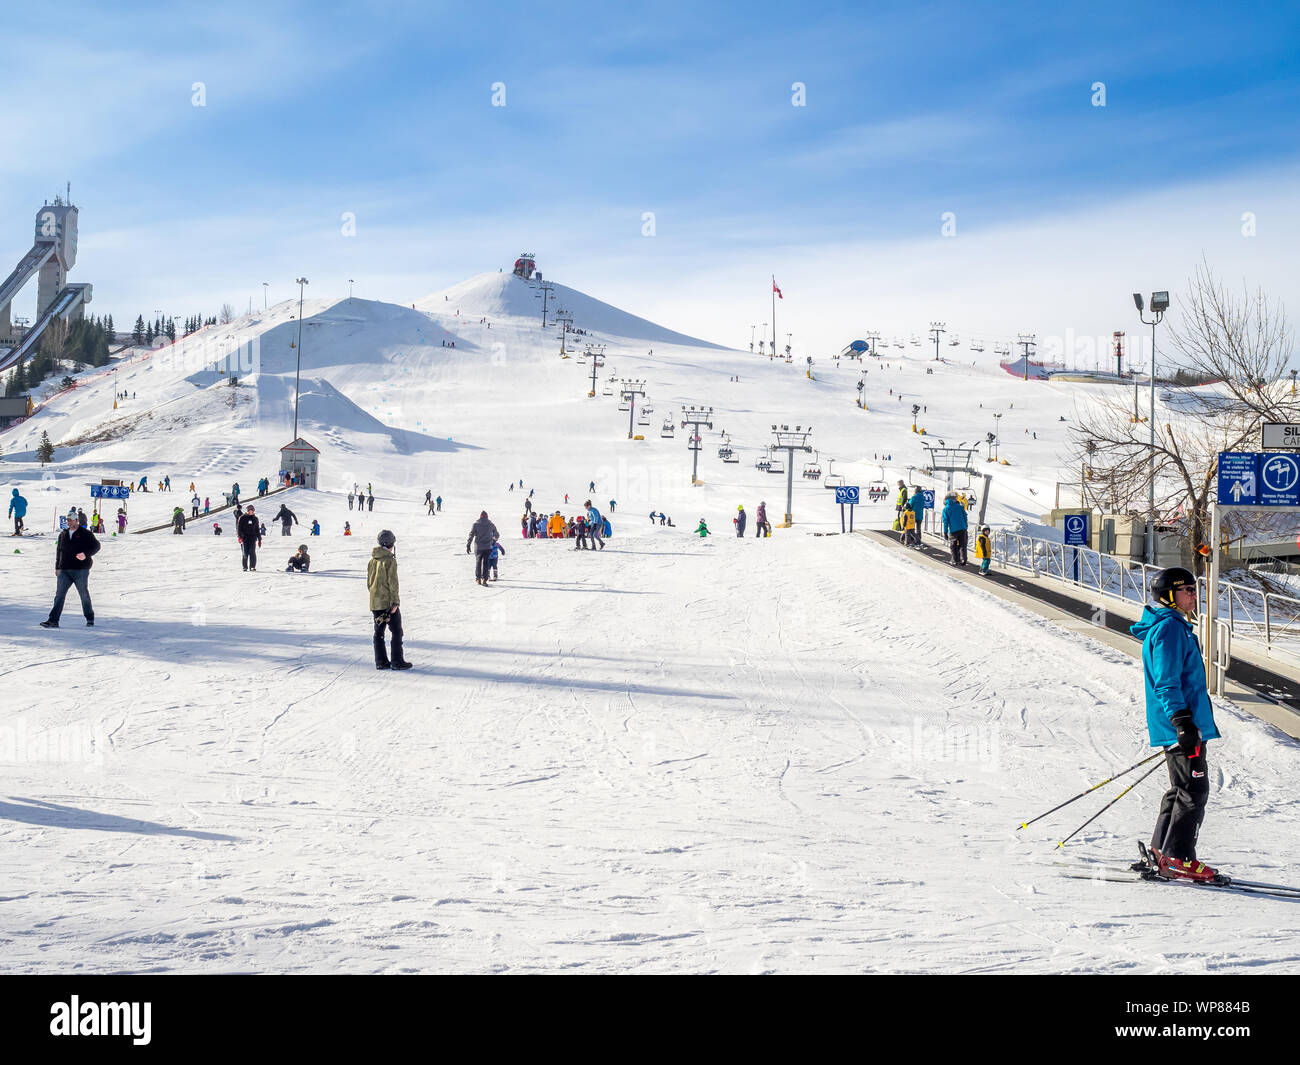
795	754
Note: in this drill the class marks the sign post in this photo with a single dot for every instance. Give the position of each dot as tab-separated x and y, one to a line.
1076	536
850	494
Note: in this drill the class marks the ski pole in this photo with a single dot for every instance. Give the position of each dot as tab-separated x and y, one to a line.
1108	805
1114	776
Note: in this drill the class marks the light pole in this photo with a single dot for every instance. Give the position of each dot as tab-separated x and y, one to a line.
265	286
1159	304
350	289
996	435
297	373
936	330
752	328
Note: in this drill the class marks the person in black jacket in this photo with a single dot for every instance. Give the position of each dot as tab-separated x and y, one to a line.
285	517
72	562
249	531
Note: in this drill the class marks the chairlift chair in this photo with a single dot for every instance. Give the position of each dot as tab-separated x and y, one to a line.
833	480
667	431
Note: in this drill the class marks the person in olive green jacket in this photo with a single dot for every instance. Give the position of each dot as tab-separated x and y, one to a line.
381	579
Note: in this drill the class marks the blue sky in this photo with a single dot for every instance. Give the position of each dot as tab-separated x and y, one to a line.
384	110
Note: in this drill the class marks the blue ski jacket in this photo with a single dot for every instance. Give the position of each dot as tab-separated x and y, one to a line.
954	517
917	505
17	505
1174	674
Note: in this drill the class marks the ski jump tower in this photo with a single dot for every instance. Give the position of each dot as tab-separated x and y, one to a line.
53	254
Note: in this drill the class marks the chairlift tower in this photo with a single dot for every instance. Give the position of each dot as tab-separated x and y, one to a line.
630	390
563	319
1027	341
790	440
695	417
597	353
937	329
547	288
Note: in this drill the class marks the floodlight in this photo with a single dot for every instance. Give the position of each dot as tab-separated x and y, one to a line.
1138	303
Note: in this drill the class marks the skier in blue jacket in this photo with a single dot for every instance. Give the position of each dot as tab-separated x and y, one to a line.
954	527
917	506
18	511
595	525
1179	718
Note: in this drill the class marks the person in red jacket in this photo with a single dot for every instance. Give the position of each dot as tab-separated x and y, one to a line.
72	561
249	531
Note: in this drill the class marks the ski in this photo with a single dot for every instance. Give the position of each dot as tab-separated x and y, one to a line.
1145	870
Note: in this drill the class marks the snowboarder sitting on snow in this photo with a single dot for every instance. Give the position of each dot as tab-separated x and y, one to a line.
703	530
1179	718
216	528
301	561
347	528
381	579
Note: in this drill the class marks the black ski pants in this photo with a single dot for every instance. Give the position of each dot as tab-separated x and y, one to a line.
957	544
1183	807
392	621
482	560
250	553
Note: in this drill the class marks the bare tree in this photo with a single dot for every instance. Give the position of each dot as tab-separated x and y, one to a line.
227	314
1244	343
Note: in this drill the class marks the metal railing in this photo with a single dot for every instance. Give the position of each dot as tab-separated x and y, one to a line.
1251	614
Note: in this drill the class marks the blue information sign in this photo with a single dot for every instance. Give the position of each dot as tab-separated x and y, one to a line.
928	493
847	494
1076	530
1279	479
1239	478
109	491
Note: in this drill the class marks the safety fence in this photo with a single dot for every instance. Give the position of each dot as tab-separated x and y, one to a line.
1252	615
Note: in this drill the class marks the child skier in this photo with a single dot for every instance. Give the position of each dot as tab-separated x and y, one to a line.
703	530
299	561
498	548
984	550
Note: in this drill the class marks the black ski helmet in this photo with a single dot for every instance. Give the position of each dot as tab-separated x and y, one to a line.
387	539
1168	581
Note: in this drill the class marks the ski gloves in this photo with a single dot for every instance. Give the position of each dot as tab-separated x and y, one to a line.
1189	736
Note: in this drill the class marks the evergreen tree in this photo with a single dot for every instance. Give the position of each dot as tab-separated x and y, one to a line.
171	329
137	336
148	333
45	449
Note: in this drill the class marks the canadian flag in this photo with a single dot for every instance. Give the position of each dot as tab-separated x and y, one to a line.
776	290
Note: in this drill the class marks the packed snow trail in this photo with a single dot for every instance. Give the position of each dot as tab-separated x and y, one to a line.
795	754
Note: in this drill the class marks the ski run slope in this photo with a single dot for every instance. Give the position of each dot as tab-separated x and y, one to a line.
797	754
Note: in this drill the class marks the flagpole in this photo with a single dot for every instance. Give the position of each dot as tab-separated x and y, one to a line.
774	314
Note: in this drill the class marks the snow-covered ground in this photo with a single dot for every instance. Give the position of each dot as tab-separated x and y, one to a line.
805	753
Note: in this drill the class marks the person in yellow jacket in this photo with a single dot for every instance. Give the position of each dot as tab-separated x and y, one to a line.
984	550
381	579
907	522
900	505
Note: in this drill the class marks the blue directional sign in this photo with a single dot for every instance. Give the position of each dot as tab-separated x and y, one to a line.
1279	479
109	491
847	494
928	493
1239	478
1076	530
